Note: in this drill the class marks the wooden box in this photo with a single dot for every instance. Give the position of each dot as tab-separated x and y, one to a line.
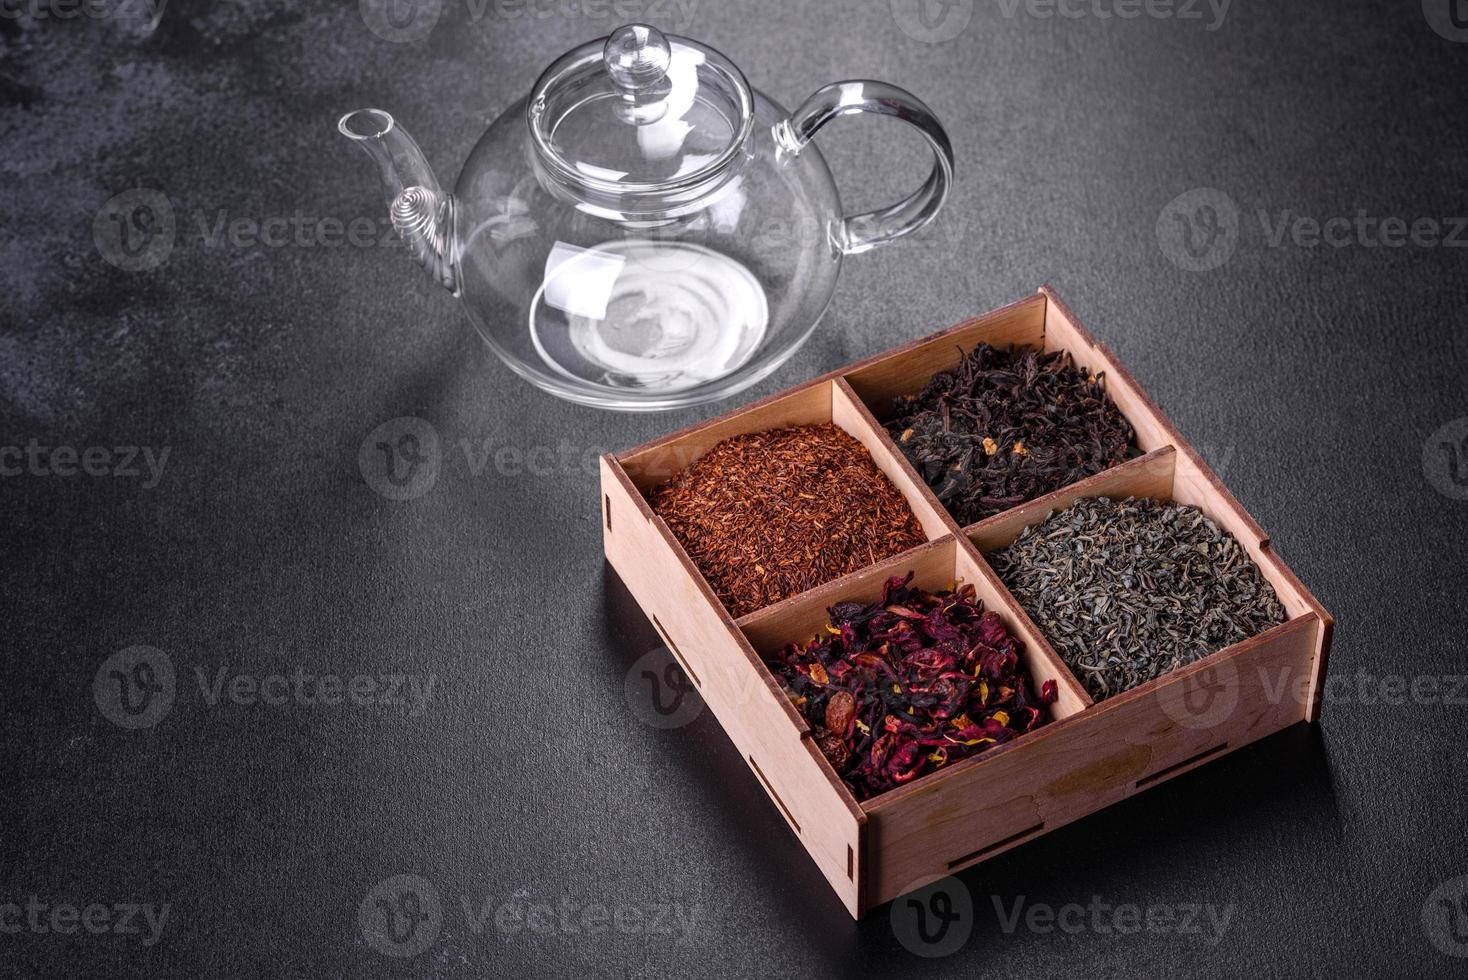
1088	756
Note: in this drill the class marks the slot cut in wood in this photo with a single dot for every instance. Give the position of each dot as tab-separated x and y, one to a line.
1163	773
677	654
1054	775
973	856
773	795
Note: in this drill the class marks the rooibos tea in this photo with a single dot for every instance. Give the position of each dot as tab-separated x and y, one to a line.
1007	426
767	515
1128	590
910	684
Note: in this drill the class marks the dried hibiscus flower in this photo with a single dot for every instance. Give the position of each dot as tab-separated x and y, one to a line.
910	684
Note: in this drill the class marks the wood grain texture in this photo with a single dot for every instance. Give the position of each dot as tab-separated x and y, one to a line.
801	617
1064	332
1089	756
734	683
1146	476
662	459
848	411
904	370
1196	482
1040	658
1075	766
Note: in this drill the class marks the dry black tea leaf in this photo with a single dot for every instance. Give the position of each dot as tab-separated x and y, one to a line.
1007	426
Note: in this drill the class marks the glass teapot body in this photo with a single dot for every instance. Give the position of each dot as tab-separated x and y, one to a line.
645	231
654	310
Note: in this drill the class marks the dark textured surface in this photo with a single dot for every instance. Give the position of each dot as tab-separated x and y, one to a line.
1311	377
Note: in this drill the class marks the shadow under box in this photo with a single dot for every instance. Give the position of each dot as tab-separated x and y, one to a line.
1087	757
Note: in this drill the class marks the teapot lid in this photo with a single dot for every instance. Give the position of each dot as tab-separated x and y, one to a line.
639	111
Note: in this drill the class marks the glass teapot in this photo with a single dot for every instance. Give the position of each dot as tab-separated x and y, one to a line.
644	231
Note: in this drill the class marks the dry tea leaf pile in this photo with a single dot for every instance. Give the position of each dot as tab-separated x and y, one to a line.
905	686
768	515
1126	591
1007	426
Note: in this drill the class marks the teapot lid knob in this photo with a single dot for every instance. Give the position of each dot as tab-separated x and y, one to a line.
637	57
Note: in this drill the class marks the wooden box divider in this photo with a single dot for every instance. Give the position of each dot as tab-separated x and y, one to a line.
1086	757
848	412
1149	475
735	684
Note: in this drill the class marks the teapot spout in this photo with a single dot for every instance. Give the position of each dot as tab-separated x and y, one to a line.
422	213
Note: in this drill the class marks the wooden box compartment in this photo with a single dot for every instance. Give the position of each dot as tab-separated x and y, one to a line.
1086	757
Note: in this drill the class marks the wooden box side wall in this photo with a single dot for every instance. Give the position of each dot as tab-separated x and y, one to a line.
770	735
1079	764
1084	763
1134	740
823	401
1195	483
662	459
1167	463
904	370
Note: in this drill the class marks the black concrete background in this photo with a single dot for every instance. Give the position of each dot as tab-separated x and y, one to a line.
1316	379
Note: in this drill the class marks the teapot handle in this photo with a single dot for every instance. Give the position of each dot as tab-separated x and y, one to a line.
861	232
